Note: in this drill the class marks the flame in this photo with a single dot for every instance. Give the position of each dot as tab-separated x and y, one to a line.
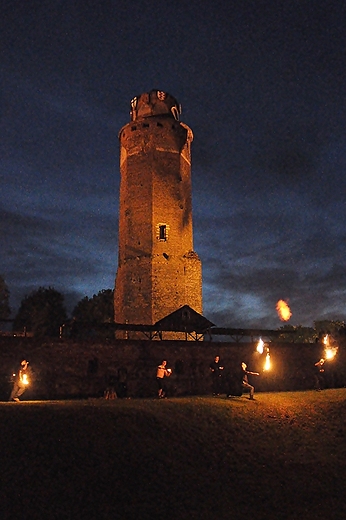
330	353
283	310
260	346
329	350
267	363
25	379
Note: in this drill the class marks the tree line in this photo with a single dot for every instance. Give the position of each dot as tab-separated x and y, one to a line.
43	312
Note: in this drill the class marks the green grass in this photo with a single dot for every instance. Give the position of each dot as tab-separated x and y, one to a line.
281	456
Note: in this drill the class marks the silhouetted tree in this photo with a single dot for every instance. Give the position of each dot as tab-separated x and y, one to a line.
300	334
333	327
297	334
42	313
5	309
98	309
90	316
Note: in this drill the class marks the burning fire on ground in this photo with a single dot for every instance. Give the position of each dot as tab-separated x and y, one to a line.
283	310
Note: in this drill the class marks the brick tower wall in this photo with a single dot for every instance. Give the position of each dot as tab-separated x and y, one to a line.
158	271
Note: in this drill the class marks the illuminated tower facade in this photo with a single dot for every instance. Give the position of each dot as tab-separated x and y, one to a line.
158	270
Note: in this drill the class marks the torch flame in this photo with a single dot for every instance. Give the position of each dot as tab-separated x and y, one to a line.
329	350
283	310
330	353
267	361
260	346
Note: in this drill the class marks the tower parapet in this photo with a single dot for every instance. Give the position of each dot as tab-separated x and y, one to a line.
154	103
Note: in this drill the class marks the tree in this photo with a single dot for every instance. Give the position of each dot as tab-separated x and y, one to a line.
297	334
98	309
332	327
90	315
5	309
300	334
42	313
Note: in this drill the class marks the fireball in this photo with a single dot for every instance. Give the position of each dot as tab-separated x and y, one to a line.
283	310
260	346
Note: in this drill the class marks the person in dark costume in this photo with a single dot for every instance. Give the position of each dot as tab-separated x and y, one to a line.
319	374
216	373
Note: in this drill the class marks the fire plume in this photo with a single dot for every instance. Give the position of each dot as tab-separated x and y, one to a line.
260	346
283	310
330	350
267	363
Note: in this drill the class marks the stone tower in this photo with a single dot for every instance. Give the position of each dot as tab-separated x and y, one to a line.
158	270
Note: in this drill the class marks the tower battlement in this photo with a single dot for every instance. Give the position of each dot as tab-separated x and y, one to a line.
154	103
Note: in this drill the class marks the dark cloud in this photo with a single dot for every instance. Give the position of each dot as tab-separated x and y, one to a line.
282	257
262	87
74	255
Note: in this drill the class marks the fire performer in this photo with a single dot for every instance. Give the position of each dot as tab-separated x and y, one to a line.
161	373
245	381
319	375
20	382
216	372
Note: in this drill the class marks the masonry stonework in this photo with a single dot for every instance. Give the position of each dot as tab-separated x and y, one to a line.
66	369
158	270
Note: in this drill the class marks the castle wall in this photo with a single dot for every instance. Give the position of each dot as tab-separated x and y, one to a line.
66	369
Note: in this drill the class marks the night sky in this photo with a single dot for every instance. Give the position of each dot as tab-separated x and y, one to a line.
262	84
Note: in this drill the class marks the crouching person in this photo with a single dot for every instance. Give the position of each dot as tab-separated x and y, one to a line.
245	380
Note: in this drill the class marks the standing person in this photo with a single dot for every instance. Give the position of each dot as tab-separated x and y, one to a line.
216	373
161	373
245	381
319	373
21	381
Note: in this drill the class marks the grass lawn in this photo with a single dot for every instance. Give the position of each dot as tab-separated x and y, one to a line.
282	456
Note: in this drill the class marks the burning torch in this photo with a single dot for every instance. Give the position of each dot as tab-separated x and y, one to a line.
329	349
261	348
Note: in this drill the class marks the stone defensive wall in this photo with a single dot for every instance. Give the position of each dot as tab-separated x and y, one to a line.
65	369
